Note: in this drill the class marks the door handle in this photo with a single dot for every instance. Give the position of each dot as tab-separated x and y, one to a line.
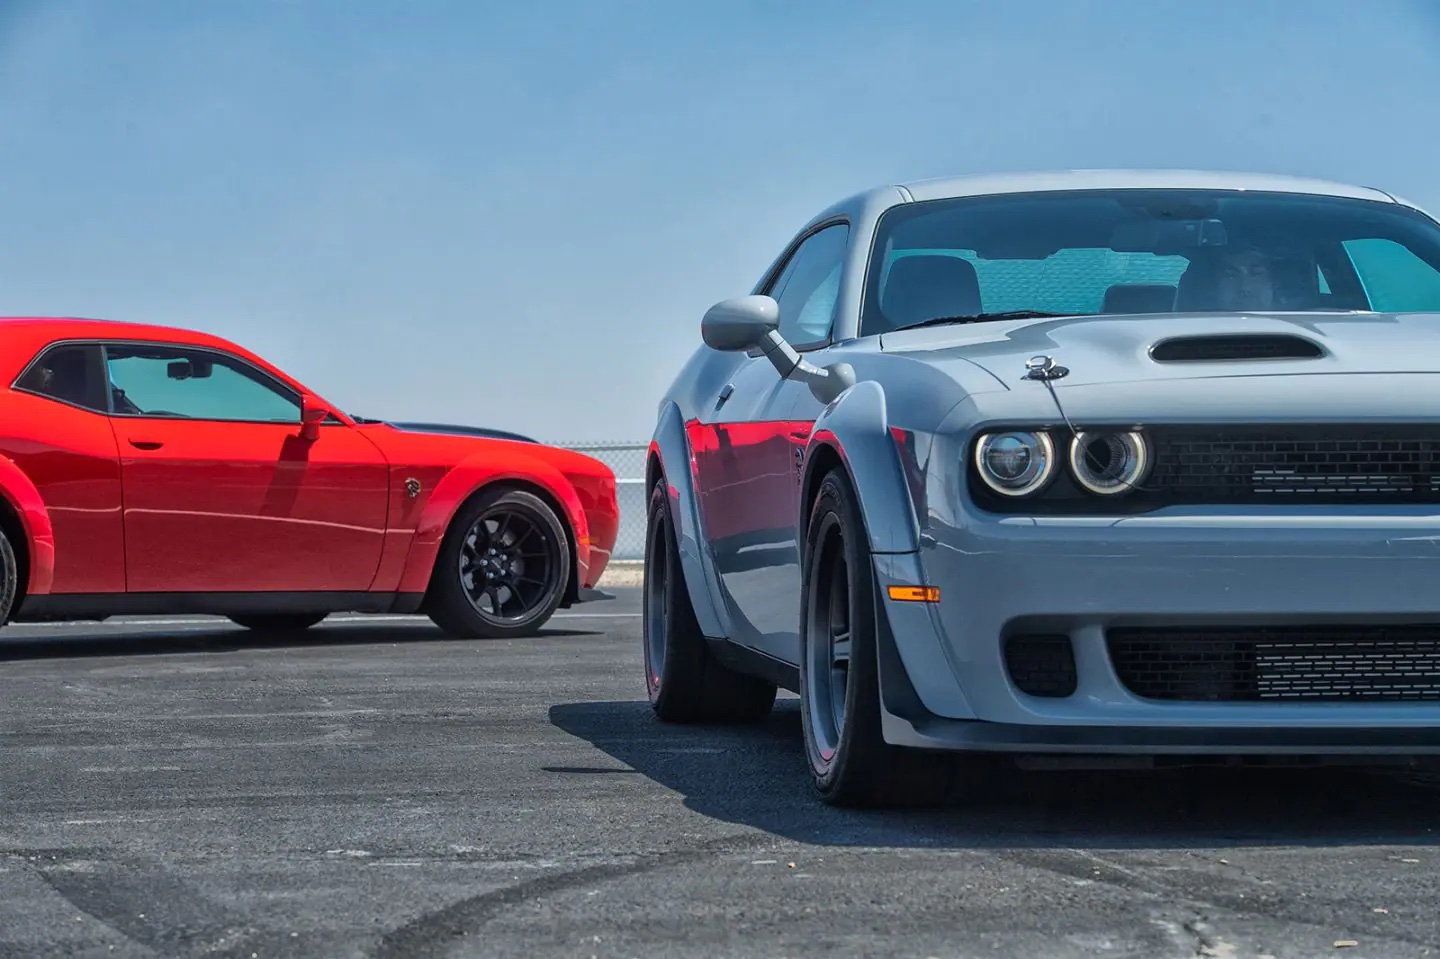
146	444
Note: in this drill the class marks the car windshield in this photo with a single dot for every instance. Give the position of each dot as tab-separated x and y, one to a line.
1147	251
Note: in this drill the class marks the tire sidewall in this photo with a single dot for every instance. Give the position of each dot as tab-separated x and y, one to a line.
9	579
835	499
676	622
657	523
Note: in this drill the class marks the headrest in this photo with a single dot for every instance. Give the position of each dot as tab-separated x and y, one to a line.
1196	290
923	287
1139	298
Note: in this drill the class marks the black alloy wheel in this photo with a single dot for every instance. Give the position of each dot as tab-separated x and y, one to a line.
503	567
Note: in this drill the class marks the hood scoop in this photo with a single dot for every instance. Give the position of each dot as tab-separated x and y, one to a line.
1221	347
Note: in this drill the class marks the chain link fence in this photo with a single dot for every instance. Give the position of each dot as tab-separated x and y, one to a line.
628	462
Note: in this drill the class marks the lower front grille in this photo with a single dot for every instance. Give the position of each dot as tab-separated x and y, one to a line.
1279	664
1041	665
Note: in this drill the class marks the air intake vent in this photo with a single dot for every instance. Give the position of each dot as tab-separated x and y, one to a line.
1233	346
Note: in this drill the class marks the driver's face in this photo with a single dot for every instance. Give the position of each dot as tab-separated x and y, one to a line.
1245	282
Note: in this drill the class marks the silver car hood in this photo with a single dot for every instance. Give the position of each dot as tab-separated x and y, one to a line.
1371	365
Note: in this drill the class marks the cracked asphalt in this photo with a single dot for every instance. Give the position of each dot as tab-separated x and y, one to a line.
372	789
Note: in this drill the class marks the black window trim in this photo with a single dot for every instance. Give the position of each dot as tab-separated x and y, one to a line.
45	351
767	283
109	411
258	374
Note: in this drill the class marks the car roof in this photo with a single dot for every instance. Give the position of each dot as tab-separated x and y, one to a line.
24	335
1039	181
90	328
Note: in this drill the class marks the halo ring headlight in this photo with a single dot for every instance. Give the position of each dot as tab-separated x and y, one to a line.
1108	463
1015	462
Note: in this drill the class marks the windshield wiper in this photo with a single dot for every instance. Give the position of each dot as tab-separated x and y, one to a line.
982	318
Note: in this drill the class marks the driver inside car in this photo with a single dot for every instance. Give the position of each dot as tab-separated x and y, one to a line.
1245	277
1245	280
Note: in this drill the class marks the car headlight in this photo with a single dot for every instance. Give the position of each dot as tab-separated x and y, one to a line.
1015	463
1107	463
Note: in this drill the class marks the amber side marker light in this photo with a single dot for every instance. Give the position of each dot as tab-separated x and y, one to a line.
915	594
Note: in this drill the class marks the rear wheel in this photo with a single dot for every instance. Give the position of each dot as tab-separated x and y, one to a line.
684	681
502	568
277	622
850	762
9	578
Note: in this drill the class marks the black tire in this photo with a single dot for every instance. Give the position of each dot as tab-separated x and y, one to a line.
529	538
9	578
689	685
277	622
849	760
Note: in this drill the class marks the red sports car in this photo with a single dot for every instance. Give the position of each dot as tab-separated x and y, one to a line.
154	470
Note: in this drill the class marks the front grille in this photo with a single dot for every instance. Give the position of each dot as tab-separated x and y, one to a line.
1041	665
1279	664
1355	464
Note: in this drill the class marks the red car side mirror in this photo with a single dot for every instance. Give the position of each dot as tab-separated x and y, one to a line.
312	413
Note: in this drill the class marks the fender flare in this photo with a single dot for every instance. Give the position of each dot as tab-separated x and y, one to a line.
28	506
669	461
917	680
469	477
856	429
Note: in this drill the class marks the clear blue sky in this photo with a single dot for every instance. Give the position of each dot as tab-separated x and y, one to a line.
515	214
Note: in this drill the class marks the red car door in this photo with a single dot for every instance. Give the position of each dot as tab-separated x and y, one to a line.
222	493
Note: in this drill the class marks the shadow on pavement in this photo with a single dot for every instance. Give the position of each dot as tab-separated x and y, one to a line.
222	639
756	777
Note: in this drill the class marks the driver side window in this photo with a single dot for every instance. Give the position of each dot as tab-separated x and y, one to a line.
194	384
809	285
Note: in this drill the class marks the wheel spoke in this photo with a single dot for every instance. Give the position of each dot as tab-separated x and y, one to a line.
518	596
507	564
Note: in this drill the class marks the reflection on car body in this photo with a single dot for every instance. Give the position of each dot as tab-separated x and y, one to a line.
1104	464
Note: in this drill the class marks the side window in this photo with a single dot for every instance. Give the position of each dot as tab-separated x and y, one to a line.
195	384
809	285
72	373
1395	279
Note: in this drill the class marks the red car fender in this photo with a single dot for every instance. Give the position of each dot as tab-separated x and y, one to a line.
39	545
466	479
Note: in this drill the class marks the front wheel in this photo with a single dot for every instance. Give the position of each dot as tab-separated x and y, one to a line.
850	762
502	568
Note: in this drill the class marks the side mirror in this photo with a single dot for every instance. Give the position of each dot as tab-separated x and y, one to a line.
740	324
312	413
746	322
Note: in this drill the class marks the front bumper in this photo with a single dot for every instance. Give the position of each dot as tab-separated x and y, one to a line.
1082	577
1145	739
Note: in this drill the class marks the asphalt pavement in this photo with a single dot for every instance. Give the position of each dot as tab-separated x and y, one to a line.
178	788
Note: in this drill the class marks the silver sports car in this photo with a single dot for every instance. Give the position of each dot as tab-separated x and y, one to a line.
1091	466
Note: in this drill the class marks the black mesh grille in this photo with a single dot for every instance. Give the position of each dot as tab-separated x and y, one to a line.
1290	664
1041	665
1299	465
